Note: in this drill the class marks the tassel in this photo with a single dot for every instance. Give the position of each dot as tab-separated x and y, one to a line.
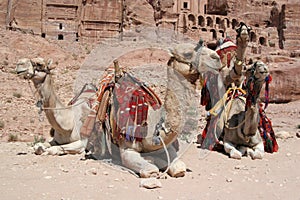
139	116
268	80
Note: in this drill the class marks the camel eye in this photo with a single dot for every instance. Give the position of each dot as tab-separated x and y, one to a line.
39	67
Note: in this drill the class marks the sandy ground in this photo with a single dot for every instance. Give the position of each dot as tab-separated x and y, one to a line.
25	175
211	175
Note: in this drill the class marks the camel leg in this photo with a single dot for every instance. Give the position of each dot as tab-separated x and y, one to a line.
257	152
134	161
243	150
76	147
232	151
40	148
177	167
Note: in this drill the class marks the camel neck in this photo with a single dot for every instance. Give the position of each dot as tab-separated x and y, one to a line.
241	50
52	108
251	120
48	95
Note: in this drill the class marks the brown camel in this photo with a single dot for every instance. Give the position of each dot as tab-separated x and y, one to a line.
241	116
233	74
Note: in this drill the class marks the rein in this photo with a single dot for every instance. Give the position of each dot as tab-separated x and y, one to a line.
40	102
251	94
192	64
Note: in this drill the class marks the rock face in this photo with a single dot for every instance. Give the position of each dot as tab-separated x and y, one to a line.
138	13
275	25
94	20
285	84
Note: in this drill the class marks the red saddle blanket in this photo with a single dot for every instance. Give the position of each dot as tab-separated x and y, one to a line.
131	99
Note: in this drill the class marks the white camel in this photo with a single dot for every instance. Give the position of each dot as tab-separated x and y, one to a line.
145	157
65	121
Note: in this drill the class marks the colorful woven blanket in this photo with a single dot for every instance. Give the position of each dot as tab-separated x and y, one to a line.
226	51
131	100
266	132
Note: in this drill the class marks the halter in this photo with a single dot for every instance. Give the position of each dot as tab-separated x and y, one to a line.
192	64
40	102
180	61
250	87
239	29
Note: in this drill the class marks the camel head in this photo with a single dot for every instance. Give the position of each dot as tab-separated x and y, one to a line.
35	69
256	76
259	71
243	33
192	64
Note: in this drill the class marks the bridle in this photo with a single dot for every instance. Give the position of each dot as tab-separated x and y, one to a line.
239	29
39	101
251	85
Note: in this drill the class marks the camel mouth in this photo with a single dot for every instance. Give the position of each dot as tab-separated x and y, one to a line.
244	35
21	72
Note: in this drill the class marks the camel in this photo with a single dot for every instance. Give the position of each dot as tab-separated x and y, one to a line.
241	134
233	74
213	95
154	151
162	131
65	121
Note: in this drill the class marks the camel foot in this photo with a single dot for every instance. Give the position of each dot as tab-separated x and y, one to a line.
150	171
177	169
55	150
134	161
235	154
255	154
40	148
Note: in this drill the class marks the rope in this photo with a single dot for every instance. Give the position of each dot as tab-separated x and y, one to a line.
168	157
70	106
183	152
235	127
227	107
63	108
117	167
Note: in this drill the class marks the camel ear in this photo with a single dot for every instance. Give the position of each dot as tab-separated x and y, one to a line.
49	63
171	52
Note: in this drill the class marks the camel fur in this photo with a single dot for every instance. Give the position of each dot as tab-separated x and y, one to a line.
65	121
241	134
144	158
234	74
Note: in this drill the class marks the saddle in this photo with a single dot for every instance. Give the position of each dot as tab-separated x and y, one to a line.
130	99
212	135
226	51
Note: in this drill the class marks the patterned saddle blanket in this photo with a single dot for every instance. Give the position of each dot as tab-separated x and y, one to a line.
130	98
